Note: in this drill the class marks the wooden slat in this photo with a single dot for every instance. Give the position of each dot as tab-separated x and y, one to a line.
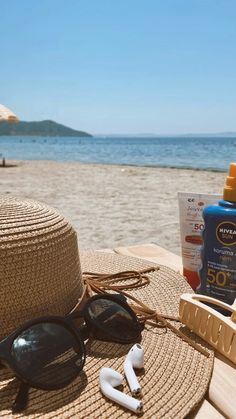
105	250
205	411
222	389
153	253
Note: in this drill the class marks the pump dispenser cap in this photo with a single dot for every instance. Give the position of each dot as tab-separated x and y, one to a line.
230	184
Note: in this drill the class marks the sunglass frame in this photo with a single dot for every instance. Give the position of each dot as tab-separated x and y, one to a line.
6	344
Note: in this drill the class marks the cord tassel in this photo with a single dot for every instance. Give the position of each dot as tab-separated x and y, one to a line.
126	280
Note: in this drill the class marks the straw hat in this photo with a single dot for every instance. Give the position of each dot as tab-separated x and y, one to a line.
39	263
176	375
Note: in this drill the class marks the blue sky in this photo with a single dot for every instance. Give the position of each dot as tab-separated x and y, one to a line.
121	66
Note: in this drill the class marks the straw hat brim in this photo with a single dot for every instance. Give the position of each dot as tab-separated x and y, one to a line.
175	378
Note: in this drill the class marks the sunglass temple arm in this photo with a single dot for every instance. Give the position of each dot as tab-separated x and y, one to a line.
21	399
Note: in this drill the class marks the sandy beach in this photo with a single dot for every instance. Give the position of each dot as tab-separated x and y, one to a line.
111	205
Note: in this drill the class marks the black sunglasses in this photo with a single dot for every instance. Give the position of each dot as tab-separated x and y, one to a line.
48	353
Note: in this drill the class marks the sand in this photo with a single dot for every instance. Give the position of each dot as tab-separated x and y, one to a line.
111	205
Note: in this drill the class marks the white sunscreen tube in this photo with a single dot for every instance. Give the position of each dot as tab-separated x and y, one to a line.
191	227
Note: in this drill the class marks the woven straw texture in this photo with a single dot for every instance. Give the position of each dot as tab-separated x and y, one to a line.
39	263
176	376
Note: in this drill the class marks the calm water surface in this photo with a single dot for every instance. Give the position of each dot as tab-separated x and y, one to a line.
197	153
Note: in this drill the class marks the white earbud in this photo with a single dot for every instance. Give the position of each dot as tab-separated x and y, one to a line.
134	359
108	379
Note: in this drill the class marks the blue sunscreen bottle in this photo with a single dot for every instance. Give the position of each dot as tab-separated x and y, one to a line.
218	254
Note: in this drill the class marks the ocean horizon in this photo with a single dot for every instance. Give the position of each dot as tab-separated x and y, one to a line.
200	153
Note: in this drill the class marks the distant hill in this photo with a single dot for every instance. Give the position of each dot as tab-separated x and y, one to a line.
39	128
210	135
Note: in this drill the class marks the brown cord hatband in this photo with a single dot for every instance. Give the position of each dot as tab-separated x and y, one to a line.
122	281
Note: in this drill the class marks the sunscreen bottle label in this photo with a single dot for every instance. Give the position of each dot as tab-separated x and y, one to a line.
218	271
219	259
191	206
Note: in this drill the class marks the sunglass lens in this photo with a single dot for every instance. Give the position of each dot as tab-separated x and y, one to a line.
48	354
114	320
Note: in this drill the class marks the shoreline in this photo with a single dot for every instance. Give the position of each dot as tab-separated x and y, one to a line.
111	205
15	162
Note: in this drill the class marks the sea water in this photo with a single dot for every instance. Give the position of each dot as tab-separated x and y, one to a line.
180	152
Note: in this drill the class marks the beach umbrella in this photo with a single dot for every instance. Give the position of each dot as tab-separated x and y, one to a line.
7	115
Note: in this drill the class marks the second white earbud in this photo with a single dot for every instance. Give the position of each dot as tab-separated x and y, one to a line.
108	379
134	359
